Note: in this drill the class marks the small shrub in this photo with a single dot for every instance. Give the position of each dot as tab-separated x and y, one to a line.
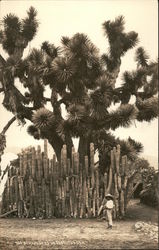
150	195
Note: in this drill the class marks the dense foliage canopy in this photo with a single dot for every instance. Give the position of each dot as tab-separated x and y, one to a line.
83	85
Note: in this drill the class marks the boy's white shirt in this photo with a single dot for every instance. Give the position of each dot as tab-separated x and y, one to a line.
109	204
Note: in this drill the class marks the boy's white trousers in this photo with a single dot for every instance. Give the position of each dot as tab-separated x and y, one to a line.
109	216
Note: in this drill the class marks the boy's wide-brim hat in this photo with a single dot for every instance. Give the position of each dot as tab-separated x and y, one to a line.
109	195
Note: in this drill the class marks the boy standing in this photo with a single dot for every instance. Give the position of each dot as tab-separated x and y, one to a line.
108	204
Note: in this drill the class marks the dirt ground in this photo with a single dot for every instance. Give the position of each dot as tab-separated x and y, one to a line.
78	233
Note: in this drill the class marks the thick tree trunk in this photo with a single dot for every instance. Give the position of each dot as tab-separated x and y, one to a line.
83	148
57	144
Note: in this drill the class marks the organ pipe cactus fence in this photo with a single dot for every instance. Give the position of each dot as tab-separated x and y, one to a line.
44	188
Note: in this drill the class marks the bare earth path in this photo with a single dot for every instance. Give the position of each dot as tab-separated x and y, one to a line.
78	234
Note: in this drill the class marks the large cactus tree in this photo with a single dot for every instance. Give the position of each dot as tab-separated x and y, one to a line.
82	83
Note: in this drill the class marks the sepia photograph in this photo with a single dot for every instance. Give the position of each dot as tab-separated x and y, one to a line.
79	124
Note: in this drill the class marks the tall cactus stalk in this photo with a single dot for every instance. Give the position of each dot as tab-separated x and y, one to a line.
85	192
72	160
92	164
97	188
24	163
39	165
33	163
105	183
81	195
64	160
45	149
94	203
86	165
68	167
110	179
21	164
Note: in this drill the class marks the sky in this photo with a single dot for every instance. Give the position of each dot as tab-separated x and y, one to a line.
65	18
